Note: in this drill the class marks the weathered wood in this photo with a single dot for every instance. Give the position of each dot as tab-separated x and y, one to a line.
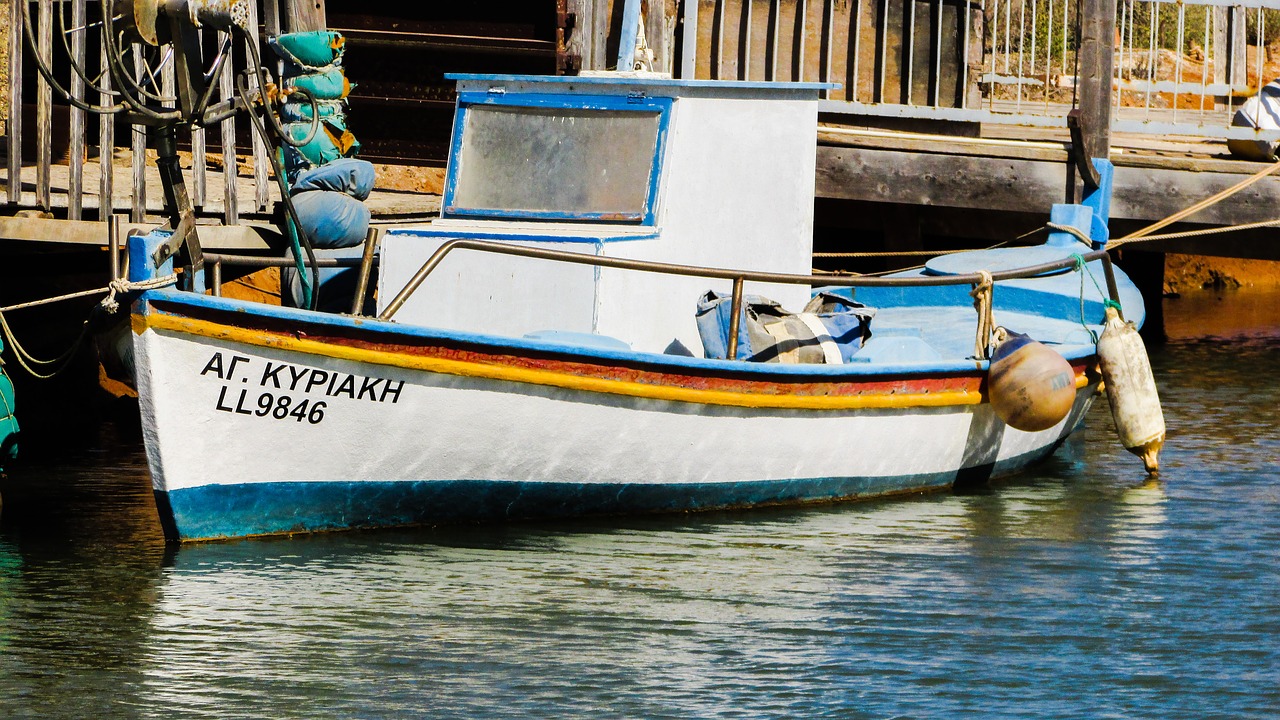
230	206
14	127
689	41
44	106
302	15
579	40
75	187
927	179
1031	186
911	142
1097	40
106	140
261	186
84	232
138	137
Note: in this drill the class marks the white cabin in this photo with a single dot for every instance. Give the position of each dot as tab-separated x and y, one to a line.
693	172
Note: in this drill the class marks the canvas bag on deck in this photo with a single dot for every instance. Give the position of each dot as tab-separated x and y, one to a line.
829	330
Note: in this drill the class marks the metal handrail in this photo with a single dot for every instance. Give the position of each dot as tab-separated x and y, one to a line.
739	277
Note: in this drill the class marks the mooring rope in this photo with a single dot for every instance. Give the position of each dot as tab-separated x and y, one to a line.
109	303
1211	200
982	294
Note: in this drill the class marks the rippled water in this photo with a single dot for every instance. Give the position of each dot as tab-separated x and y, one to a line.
1078	590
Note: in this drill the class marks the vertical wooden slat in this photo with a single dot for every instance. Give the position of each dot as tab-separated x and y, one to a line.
106	141
775	17
44	109
271	17
802	12
14	127
744	43
261	186
303	15
230	206
689	46
198	158
75	163
138	133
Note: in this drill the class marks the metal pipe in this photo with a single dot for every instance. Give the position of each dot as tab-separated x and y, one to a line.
366	266
113	246
1112	289
266	262
217	278
734	321
708	272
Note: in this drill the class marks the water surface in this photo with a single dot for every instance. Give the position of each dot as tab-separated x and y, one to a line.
1080	589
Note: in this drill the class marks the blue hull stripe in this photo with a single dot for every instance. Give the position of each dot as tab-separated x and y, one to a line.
271	508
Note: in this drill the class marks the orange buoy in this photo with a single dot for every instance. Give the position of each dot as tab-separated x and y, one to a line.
1031	387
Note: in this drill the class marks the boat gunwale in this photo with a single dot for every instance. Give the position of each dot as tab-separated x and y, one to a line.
156	300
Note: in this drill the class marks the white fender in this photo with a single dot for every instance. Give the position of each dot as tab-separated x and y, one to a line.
1131	390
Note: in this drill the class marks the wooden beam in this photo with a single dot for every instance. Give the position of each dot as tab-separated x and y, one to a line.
83	232
1023	185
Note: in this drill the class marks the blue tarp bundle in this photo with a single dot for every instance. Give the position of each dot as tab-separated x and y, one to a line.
768	333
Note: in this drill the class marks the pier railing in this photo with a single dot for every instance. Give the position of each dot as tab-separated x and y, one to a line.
1181	67
90	146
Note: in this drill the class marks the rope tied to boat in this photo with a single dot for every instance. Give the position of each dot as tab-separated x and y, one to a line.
1082	267
983	293
1079	234
110	304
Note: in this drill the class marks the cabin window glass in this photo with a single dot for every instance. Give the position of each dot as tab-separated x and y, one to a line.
556	162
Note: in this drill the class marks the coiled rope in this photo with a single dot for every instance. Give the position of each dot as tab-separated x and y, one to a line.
982	294
110	304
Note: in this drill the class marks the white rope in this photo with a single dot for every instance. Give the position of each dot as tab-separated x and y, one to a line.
982	295
109	303
117	286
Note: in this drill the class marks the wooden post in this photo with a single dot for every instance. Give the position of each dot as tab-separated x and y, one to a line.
44	108
302	15
14	127
1097	42
75	160
581	41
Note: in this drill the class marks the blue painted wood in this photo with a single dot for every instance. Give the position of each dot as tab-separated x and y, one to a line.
1079	217
1099	200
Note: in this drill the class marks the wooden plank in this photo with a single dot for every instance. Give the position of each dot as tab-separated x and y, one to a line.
44	107
303	15
946	145
75	182
230	206
199	160
14	127
261	185
1031	186
138	138
106	141
1009	184
247	238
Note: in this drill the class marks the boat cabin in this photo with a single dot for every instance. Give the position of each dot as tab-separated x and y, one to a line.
693	172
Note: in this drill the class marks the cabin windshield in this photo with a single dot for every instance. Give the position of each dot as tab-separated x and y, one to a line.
560	163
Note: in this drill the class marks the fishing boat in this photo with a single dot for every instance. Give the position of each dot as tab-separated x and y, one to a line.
614	314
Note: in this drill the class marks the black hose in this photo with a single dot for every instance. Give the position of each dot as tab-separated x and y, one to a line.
291	220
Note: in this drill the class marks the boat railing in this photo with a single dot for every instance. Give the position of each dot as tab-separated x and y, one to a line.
739	277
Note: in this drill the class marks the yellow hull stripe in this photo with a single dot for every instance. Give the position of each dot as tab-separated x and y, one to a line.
204	328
